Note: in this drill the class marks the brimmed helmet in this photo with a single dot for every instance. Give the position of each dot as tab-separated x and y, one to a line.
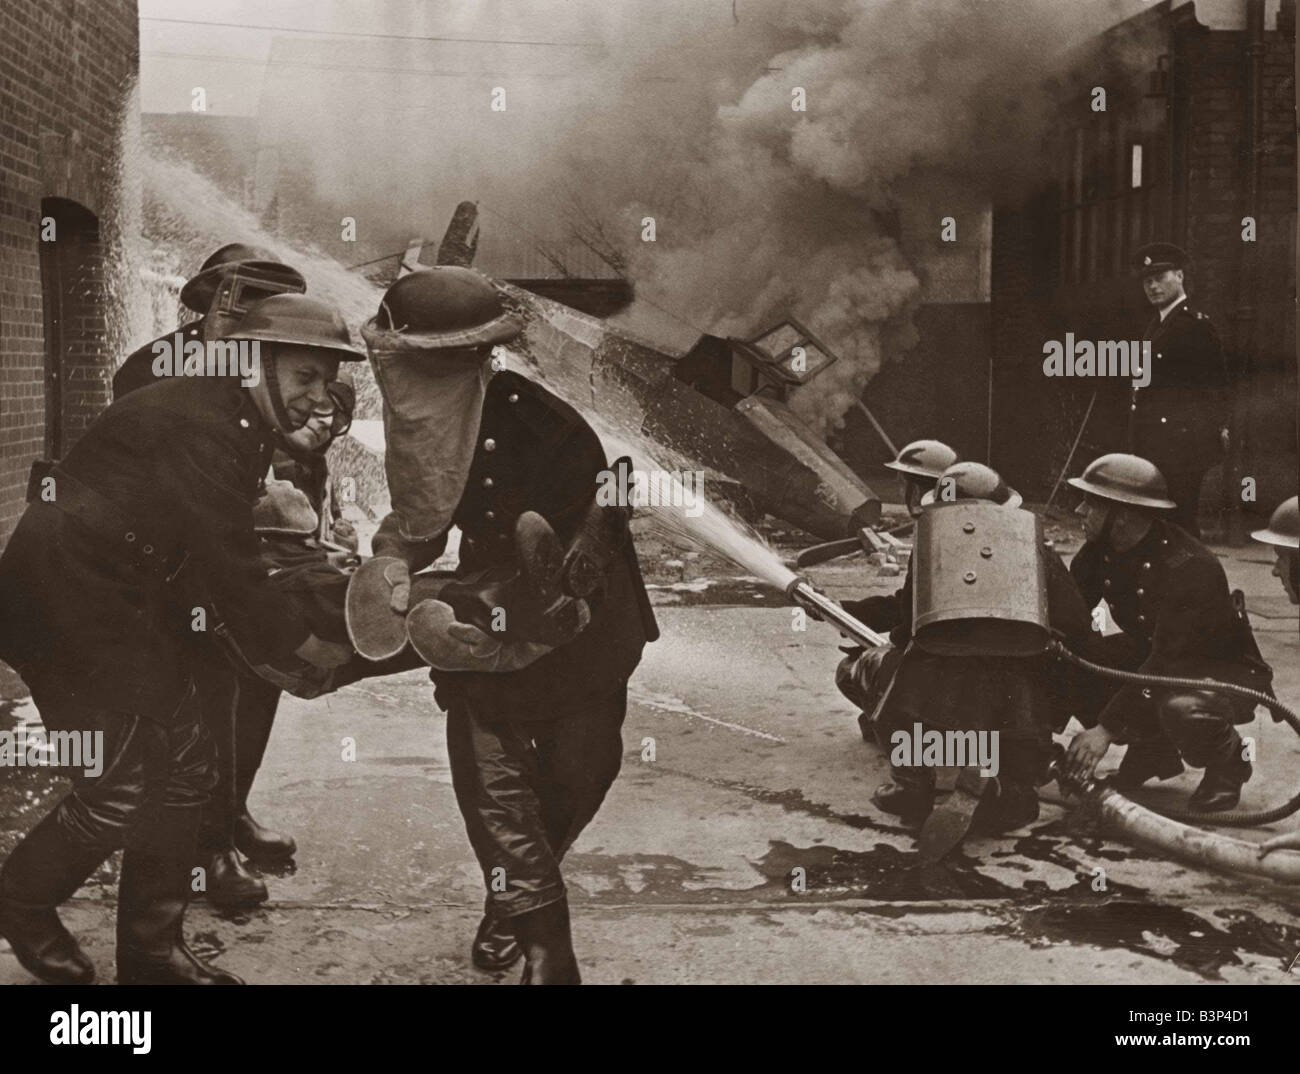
924	458
447	306
1283	526
298	319
1127	479
973	481
236	277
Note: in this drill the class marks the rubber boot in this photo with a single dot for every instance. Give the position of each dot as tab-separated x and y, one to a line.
229	885
151	899
44	870
261	844
547	943
495	947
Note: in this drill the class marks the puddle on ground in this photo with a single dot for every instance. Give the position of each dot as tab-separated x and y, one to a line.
1172	934
747	592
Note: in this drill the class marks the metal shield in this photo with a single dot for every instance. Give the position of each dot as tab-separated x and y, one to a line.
979	580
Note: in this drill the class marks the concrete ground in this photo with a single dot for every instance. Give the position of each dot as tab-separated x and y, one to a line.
686	874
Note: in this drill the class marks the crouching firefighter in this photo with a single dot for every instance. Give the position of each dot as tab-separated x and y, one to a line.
533	641
104	585
987	593
1169	596
864	674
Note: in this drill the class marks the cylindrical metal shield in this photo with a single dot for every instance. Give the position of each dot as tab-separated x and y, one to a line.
979	580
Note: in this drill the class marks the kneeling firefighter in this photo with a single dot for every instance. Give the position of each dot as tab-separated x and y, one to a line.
864	674
147	521
1169	596
987	592
533	641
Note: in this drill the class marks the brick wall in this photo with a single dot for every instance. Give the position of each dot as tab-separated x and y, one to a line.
65	67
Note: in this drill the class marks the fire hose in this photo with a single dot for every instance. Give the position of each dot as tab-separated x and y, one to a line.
1161	830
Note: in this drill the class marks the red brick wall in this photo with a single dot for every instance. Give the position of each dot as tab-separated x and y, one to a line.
65	67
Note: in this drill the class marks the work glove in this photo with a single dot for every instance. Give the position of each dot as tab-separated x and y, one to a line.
446	644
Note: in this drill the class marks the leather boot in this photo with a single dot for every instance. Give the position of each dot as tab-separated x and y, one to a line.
44	870
151	898
547	943
1151	758
229	885
495	947
261	844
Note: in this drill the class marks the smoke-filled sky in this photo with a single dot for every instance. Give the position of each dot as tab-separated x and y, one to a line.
679	110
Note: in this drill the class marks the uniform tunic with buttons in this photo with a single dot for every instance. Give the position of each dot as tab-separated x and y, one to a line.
181	460
1170	597
536	453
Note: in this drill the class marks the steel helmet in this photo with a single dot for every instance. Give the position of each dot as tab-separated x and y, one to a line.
973	481
1284	525
924	458
254	272
1127	479
293	318
447	306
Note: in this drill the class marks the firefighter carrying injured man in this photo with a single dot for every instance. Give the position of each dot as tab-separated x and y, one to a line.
959	671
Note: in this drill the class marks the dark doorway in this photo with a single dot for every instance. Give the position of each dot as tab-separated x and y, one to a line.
72	293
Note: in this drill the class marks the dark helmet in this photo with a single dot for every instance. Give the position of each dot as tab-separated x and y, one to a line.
973	481
447	307
253	271
1284	525
924	459
1127	479
298	319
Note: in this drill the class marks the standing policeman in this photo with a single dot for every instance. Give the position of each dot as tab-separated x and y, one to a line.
533	751
1169	596
1179	420
105	584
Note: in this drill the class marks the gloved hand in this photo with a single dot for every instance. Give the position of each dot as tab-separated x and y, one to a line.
323	654
446	644
398	575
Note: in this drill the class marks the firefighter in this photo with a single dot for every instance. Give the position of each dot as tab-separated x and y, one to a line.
863	674
1169	596
105	583
231	280
298	537
970	687
534	750
1179	420
1283	534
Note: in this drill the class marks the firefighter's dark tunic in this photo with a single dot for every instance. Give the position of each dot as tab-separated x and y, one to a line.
160	486
534	751
1175	420
1016	696
1169	596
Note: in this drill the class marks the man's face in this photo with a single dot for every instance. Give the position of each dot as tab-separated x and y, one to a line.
1163	287
315	434
302	374
911	492
1093	512
1284	568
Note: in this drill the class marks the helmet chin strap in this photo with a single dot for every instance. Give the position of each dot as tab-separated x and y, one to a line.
283	423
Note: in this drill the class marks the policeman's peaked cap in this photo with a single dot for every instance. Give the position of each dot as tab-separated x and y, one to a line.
924	458
293	318
1284	525
1158	256
198	292
447	306
1127	479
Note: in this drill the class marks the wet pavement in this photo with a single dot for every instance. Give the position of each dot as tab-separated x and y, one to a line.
743	773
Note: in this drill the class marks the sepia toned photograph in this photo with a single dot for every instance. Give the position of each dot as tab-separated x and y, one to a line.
657	492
